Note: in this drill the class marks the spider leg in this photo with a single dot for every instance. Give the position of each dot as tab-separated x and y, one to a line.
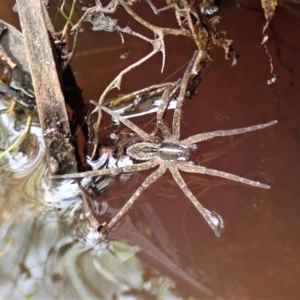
213	219
159	45
163	105
183	87
134	168
210	135
145	136
149	180
186	167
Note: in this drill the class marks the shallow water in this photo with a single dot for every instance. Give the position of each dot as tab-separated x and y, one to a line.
167	250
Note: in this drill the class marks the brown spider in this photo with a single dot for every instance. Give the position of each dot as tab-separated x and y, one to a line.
171	154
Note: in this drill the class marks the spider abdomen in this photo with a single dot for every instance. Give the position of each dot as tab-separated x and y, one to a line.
169	151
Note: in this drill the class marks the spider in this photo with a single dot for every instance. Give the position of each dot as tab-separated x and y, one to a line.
170	154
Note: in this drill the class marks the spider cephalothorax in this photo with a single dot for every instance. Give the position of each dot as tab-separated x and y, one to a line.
166	151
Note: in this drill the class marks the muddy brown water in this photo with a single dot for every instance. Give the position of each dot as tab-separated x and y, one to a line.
258	255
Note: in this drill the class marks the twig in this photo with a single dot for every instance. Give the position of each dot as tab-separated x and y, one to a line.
50	101
150	91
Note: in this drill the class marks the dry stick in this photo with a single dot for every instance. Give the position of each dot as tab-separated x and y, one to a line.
49	98
157	30
160	32
150	91
48	22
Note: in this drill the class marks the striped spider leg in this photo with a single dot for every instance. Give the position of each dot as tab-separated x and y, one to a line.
171	154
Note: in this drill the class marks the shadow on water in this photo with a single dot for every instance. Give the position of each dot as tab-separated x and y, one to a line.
163	249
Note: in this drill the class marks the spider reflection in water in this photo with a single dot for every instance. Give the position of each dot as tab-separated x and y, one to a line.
171	154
